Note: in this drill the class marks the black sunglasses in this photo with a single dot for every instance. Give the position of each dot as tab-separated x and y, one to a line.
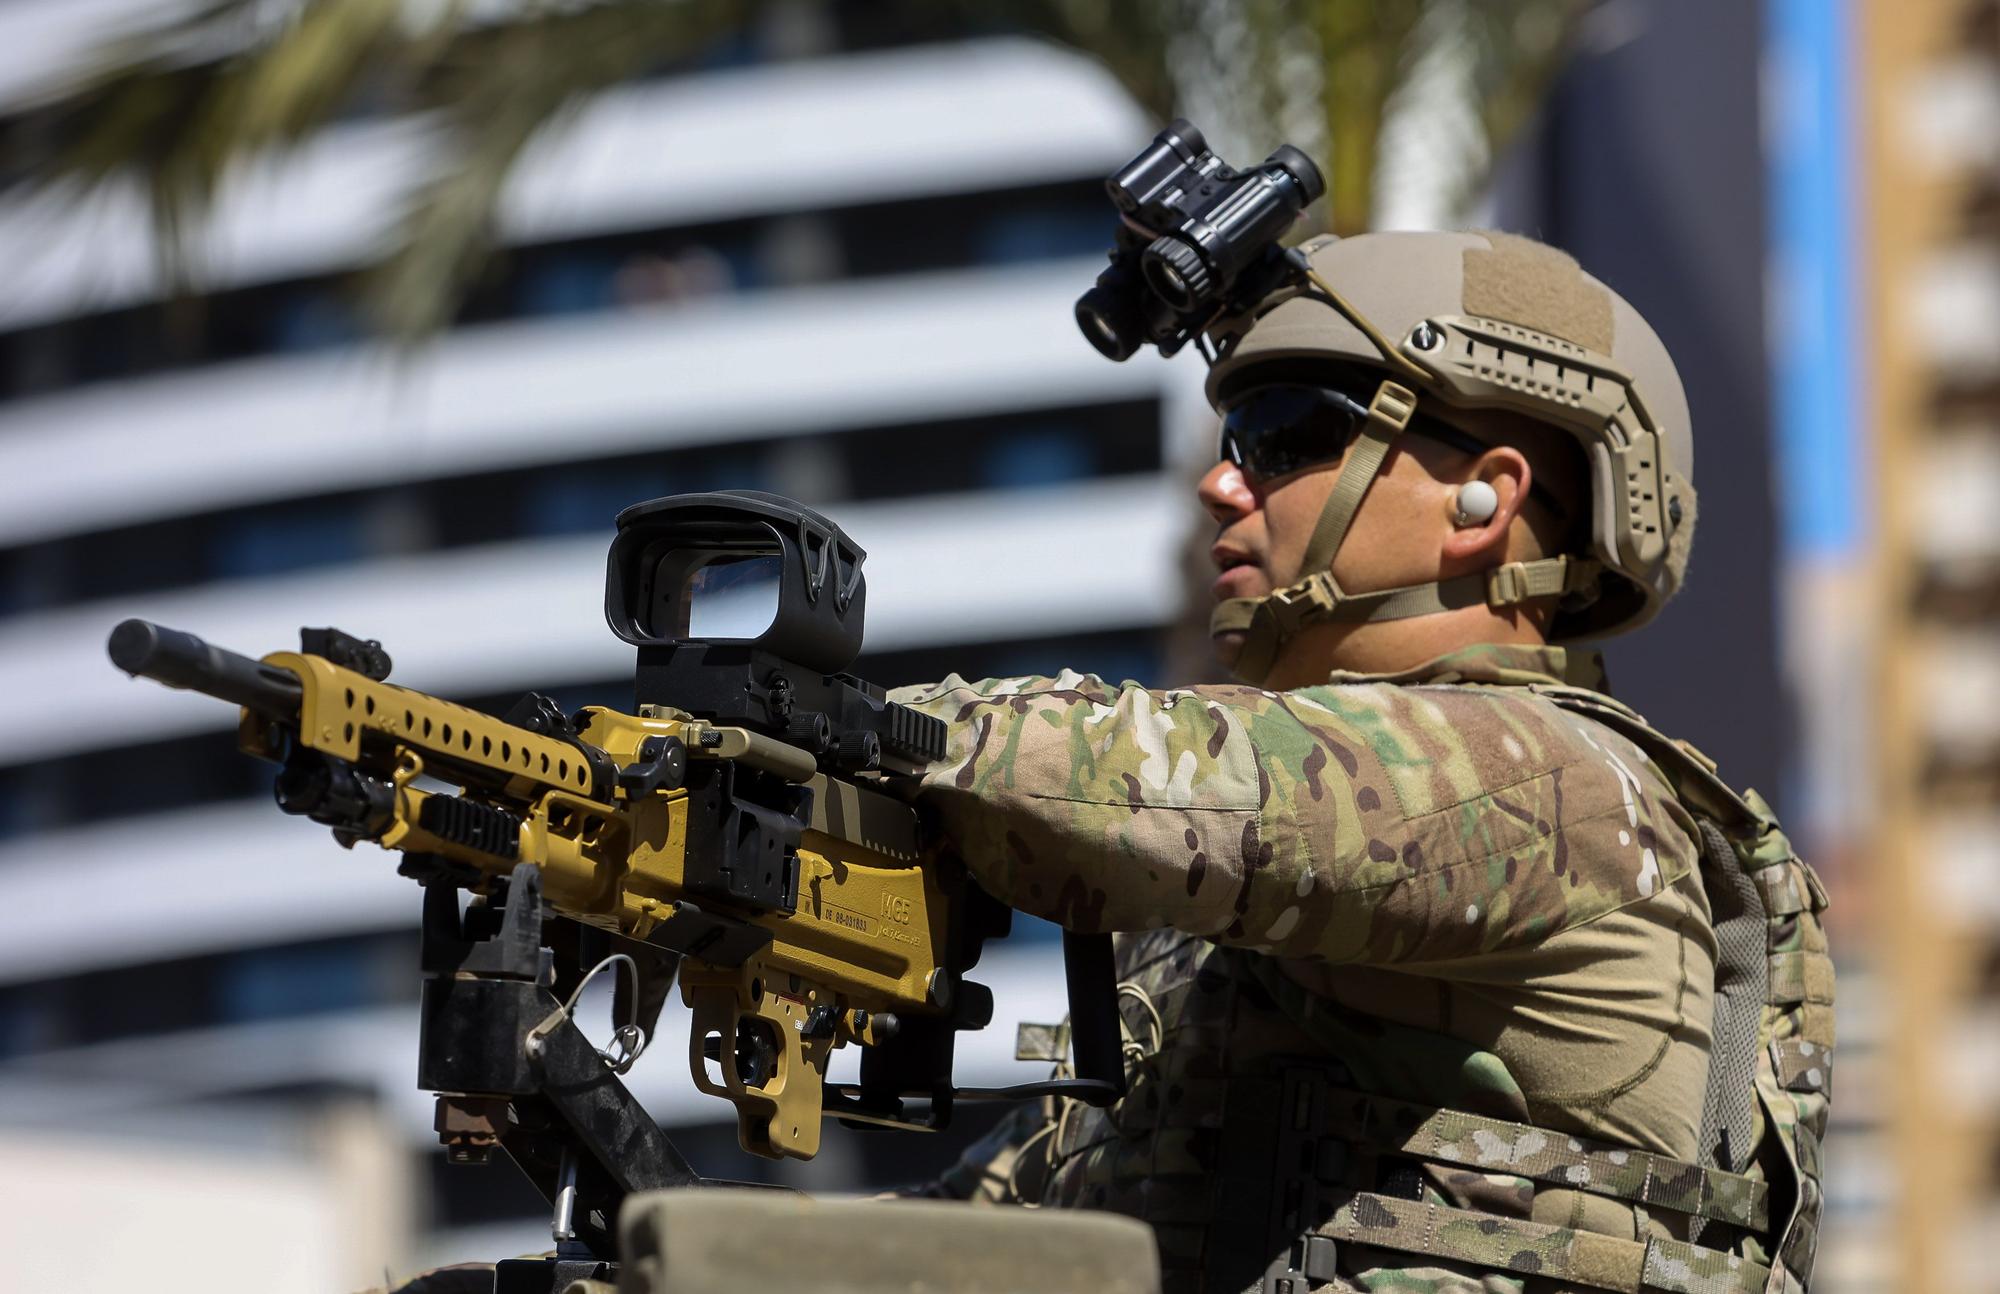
1281	428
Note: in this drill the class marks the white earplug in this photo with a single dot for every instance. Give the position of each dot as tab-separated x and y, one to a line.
1477	502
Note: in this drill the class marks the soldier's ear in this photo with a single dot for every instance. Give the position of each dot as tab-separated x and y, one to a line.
1481	502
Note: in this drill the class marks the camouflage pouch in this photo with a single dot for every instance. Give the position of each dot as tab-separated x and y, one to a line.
1795	1061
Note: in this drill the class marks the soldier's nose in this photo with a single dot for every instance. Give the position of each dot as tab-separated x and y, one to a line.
1224	494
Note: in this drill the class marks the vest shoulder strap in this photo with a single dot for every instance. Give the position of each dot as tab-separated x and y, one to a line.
1691	773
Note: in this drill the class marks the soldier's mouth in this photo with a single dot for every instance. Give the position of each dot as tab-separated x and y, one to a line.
1239	575
1227	558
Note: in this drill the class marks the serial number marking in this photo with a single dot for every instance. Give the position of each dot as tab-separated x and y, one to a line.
844	917
862	924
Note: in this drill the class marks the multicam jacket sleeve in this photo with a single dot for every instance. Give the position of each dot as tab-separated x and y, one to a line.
1373	823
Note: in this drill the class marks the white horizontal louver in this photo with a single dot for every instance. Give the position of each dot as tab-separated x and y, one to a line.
791	363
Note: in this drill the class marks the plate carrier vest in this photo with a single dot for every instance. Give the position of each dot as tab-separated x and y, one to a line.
1258	1144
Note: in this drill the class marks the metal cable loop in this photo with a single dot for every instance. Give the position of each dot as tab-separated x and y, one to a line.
628	1040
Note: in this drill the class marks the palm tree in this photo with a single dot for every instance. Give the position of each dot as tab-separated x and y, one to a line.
178	108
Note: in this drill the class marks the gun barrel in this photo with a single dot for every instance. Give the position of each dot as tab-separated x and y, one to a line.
180	659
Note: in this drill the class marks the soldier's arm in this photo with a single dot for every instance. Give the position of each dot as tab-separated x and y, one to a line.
1358	823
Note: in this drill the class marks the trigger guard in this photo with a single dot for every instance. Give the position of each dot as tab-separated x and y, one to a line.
782	1118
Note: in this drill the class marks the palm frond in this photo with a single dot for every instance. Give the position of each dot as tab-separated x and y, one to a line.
494	92
177	106
1514	50
1322	74
1130	37
1368	51
1518	48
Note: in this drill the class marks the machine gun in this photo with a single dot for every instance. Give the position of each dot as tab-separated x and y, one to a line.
735	828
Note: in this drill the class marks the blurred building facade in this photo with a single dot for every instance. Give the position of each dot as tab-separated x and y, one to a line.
1930	155
822	263
1857	162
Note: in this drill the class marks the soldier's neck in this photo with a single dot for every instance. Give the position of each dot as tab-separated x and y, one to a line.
1392	646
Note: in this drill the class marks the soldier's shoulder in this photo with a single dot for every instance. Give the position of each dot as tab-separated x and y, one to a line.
1499	733
1471	754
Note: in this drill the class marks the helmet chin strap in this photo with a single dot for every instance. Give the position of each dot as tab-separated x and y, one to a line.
1267	623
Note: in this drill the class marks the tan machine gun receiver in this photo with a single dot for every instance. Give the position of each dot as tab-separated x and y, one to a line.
736	826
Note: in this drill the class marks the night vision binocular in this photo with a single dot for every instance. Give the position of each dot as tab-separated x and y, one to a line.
1195	236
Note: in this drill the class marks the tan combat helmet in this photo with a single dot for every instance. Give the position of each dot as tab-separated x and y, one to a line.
1476	321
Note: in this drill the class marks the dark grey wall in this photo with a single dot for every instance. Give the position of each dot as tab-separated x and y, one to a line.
1646	166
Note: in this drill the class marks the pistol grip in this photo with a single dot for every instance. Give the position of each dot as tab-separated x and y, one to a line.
771	1061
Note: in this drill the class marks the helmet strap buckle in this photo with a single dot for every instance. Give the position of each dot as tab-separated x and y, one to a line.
1517	582
1296	605
1506	585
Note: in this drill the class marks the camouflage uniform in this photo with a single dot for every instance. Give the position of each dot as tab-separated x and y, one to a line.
1420	975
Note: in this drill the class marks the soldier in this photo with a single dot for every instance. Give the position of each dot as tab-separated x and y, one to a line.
1441	969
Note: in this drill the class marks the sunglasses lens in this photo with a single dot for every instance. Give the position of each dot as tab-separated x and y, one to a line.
1279	429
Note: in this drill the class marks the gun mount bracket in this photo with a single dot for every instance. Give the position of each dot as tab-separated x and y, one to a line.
500	942
512	1069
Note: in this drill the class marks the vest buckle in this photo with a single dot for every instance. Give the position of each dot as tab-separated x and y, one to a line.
1310	1263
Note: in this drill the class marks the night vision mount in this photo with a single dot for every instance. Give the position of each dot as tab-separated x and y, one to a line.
1196	238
